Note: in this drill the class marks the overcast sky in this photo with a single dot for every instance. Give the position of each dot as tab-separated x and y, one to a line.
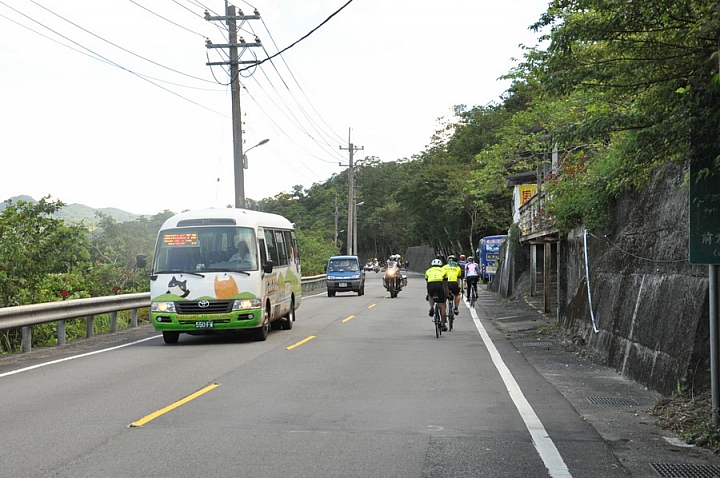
110	103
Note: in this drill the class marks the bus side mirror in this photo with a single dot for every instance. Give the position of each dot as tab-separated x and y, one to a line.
141	261
268	267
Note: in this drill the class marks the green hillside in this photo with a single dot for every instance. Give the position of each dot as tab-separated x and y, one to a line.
76	213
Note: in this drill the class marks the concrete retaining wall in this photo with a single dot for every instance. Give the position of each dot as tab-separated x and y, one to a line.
650	305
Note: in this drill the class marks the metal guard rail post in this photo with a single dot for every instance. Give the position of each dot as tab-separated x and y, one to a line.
25	316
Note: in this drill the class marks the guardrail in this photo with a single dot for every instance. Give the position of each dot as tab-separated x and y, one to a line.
312	283
25	316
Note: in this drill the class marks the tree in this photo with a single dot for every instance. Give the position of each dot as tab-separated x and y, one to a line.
115	247
33	245
630	85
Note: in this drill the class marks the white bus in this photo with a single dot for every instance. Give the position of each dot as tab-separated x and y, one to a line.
221	270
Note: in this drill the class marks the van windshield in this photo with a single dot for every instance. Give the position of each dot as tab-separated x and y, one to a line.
206	249
343	265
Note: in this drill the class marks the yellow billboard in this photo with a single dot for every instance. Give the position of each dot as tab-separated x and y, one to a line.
526	192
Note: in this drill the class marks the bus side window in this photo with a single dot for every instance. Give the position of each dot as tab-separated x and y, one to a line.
263	253
271	246
281	248
291	247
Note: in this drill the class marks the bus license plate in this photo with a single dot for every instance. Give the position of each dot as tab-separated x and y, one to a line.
342	284
204	324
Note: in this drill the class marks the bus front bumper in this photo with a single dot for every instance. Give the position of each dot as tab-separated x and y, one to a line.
207	323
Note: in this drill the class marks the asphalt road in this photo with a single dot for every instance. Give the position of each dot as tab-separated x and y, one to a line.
360	387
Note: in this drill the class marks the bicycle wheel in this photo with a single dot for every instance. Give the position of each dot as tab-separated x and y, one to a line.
438	331
450	315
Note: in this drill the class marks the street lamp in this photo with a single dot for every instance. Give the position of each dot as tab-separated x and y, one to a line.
245	163
240	165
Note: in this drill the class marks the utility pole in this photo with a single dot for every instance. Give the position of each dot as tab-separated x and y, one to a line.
336	220
231	18
351	197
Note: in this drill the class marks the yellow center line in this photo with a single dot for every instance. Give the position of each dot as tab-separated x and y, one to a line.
345	320
307	339
173	406
371	306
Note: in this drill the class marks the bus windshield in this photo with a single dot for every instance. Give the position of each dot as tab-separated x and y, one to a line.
206	249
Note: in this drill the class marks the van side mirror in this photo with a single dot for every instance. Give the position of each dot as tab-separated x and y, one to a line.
141	261
268	267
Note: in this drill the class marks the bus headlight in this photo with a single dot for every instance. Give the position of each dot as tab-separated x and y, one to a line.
162	307
246	304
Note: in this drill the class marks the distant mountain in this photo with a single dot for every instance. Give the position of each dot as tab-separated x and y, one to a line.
76	213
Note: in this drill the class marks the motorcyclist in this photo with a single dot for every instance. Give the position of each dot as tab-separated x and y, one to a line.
394	280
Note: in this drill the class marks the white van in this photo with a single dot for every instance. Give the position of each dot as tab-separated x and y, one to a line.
220	270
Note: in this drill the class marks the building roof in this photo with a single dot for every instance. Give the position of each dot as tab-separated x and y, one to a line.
528	177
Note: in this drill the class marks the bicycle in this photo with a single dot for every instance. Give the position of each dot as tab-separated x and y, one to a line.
473	295
450	314
437	319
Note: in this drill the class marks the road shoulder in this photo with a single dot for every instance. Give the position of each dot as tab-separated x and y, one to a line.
617	408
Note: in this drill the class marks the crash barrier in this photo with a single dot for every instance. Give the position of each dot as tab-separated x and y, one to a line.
312	283
25	316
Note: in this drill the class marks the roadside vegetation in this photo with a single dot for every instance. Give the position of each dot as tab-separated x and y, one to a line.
689	415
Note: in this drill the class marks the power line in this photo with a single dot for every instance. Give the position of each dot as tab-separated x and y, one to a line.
96	56
113	44
302	38
338	137
169	21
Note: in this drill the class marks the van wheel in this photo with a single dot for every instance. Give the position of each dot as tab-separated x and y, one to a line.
287	324
331	293
171	337
261	334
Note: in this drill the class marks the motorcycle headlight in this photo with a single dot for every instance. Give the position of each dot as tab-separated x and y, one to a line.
391	272
246	304
162	307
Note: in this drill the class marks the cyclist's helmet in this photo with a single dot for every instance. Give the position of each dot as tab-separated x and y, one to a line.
462	257
436	262
471	259
451	257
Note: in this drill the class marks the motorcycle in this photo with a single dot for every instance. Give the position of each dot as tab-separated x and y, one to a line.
394	280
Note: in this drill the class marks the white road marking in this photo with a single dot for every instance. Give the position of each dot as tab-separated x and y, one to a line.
44	364
543	443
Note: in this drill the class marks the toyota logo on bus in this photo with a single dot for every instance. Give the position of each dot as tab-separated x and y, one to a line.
203	304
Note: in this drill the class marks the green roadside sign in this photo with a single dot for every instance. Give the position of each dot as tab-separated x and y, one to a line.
704	213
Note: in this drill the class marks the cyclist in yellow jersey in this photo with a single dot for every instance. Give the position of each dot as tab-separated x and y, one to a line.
437	285
453	272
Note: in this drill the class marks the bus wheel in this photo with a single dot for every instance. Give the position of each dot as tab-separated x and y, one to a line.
289	318
171	337
261	334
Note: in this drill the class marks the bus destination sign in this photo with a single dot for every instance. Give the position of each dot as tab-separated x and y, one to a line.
181	239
